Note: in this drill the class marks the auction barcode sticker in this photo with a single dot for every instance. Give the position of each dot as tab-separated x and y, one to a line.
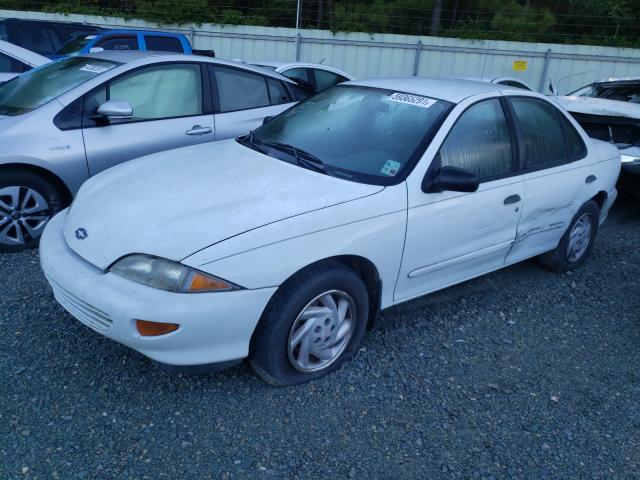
409	99
96	68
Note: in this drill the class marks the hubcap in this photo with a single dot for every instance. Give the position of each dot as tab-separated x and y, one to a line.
579	238
321	331
23	214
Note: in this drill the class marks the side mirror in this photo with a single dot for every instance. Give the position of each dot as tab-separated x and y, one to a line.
116	110
453	179
552	88
267	120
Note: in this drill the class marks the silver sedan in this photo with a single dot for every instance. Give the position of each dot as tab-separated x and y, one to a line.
66	121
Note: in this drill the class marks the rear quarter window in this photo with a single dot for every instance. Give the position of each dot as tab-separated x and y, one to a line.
575	146
163	44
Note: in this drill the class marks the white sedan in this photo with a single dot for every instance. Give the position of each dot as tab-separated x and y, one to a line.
281	246
15	60
318	76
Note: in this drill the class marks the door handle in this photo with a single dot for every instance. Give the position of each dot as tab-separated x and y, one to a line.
512	199
590	179
198	130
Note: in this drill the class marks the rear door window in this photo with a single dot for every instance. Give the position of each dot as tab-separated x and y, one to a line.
277	92
240	90
540	133
123	42
575	146
160	43
299	73
325	79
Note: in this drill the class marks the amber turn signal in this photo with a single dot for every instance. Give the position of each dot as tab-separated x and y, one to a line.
206	283
153	329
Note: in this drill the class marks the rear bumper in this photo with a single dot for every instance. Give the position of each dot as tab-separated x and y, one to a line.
214	327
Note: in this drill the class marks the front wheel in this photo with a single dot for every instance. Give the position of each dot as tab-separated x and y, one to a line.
313	324
27	202
577	242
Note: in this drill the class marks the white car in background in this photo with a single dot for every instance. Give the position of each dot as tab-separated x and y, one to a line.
318	76
15	60
506	81
609	110
283	245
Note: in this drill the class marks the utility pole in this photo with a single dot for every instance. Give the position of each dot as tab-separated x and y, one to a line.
435	18
298	22
299	15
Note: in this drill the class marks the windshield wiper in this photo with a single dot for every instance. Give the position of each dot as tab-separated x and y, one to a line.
252	141
303	158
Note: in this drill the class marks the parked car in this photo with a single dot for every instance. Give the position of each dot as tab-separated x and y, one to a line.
144	40
317	76
40	36
283	245
609	110
73	118
506	81
15	60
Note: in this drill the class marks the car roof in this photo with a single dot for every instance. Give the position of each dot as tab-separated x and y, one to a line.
319	66
129	31
32	58
147	57
452	89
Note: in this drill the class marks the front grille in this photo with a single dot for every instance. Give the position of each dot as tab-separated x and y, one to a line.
87	314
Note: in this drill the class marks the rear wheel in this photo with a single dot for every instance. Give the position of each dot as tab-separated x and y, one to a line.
27	202
577	242
313	324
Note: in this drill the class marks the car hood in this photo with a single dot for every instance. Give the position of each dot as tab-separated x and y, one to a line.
175	203
600	106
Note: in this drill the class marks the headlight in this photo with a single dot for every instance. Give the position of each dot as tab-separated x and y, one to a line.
629	159
168	275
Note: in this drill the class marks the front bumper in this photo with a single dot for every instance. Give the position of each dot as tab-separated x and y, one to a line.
214	327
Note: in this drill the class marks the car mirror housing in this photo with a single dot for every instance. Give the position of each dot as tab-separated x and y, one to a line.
453	179
116	110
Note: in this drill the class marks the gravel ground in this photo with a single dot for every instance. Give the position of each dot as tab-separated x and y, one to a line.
519	374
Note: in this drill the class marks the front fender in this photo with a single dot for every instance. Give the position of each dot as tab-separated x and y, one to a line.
372	227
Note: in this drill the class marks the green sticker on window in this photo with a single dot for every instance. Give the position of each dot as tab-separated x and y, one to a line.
391	168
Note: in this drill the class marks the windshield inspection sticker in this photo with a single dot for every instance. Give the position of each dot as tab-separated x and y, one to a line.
96	68
391	168
408	99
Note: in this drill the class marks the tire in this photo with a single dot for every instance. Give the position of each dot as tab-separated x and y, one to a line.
277	354
566	257
21	192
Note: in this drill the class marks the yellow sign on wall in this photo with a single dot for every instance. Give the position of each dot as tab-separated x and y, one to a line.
519	65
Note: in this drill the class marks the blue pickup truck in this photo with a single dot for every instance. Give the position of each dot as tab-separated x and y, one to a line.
128	40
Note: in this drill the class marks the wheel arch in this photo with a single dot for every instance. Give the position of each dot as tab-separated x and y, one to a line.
362	266
600	198
51	177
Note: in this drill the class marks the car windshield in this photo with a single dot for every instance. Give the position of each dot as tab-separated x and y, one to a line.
74	46
623	91
41	85
363	134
